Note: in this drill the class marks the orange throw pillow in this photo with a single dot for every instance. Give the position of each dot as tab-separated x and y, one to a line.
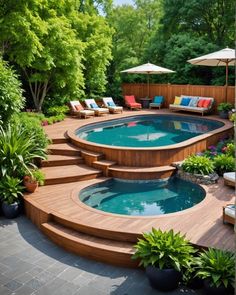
78	107
200	103
206	103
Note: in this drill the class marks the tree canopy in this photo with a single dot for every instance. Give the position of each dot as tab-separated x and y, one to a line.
71	49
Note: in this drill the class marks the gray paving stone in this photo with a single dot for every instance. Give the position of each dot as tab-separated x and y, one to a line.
35	271
13	285
66	289
34	284
57	268
49	288
24	290
24	278
91	291
69	274
4	279
5	291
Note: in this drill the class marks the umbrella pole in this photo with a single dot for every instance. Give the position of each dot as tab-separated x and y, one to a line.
226	80
148	84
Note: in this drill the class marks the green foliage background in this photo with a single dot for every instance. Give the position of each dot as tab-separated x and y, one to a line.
73	49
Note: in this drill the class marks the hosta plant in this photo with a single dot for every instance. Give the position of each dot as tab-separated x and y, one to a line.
163	250
224	163
198	165
218	267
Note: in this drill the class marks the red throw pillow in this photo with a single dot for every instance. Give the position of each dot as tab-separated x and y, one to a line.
200	103
206	103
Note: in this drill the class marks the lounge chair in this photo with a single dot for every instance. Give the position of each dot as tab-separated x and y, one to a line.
77	109
157	102
229	213
131	103
109	103
92	105
229	178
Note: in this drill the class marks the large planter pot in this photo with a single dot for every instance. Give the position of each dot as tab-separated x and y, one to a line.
224	114
163	279
12	210
195	283
211	290
31	186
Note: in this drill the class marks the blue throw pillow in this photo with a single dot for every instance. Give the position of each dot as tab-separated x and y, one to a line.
93	105
111	104
193	102
158	99
185	101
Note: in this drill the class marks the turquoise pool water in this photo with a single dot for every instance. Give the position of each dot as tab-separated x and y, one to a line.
146	131
142	198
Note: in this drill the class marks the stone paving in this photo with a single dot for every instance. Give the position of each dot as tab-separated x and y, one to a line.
31	264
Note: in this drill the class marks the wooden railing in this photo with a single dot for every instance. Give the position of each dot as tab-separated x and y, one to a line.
169	92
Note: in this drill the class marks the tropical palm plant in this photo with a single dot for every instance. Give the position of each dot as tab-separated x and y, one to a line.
18	151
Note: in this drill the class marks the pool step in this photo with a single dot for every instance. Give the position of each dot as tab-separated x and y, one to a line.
103	165
141	173
61	160
99	249
64	149
90	157
70	173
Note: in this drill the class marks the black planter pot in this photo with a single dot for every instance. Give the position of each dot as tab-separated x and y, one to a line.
163	279
11	211
195	283
224	114
211	290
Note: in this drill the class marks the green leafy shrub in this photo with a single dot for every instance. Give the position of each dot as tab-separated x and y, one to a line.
198	165
224	163
224	106
11	99
10	189
32	127
57	110
163	250
18	150
230	149
218	266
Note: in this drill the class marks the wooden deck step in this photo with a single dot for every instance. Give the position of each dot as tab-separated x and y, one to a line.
64	149
90	157
104	250
60	140
103	165
61	160
70	173
125	172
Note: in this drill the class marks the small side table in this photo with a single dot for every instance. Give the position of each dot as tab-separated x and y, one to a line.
145	102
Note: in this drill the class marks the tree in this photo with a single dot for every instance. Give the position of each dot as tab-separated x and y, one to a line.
11	99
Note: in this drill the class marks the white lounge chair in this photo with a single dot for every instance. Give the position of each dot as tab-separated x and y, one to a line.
229	178
92	105
109	103
229	213
78	110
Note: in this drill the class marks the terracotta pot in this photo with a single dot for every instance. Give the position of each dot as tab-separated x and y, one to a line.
31	186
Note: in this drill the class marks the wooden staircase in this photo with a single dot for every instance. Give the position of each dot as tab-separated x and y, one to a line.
69	165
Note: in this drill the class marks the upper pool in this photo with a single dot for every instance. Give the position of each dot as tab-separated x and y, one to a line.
147	130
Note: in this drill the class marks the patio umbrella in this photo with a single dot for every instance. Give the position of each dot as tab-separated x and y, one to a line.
224	57
148	69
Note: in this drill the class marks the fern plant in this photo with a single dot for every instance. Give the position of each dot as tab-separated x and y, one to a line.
218	266
163	250
198	165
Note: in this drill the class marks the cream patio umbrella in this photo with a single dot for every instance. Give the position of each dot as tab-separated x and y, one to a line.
148	69
224	57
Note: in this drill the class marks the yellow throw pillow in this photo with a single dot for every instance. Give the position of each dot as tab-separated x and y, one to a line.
177	100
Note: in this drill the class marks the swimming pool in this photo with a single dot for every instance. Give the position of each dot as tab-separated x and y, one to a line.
142	198
146	131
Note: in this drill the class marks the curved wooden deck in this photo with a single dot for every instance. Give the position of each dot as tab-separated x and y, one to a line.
57	211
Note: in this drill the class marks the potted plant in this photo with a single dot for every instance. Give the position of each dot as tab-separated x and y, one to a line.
217	268
163	254
190	278
223	109
10	193
33	180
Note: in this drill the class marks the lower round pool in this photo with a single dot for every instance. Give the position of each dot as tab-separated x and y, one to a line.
142	198
146	130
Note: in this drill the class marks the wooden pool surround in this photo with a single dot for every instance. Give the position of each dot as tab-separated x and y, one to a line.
156	156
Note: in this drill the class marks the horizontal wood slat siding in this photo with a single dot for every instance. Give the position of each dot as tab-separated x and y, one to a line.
169	91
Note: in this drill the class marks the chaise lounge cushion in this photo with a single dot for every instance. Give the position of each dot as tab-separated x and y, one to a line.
230	210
